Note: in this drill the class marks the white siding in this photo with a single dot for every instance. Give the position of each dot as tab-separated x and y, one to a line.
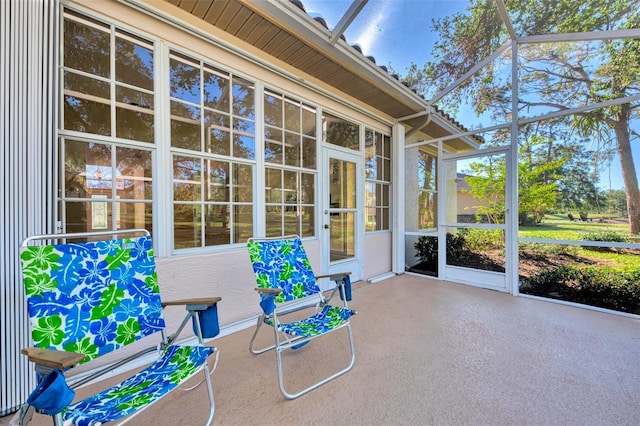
27	69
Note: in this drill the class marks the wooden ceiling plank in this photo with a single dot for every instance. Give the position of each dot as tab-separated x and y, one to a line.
238	21
201	8
228	14
284	50
214	12
254	21
302	57
274	44
187	5
262	36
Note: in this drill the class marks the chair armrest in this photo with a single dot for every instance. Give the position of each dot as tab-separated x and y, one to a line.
268	290
55	359
195	303
334	277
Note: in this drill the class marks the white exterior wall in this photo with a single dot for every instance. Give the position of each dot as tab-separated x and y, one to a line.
377	254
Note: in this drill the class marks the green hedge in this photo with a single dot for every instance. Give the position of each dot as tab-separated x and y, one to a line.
602	286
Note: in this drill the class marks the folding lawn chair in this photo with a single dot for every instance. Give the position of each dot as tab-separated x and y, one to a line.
88	299
287	284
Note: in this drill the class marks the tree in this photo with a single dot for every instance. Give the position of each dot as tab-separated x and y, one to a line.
553	76
537	180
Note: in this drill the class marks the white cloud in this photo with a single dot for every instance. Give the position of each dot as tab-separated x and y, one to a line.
372	30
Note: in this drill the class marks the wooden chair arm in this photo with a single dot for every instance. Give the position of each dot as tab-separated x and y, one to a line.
268	290
51	358
196	301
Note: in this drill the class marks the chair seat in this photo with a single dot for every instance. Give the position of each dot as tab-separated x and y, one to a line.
176	365
329	318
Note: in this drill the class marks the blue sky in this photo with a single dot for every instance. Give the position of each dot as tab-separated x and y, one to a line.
395	32
398	32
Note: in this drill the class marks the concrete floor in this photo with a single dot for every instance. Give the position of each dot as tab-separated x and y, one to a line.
433	353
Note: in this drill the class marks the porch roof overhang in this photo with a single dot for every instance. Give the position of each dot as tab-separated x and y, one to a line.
283	30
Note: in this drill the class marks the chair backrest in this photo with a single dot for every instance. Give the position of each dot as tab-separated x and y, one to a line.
93	297
283	263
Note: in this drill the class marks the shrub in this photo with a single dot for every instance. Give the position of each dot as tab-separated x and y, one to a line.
483	239
602	286
605	236
427	249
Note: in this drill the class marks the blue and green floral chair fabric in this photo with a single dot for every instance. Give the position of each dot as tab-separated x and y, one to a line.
284	279
93	298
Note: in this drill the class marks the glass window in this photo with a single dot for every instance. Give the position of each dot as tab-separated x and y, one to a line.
338	131
290	202
377	180
213	116
108	90
105	187
212	202
290	151
104	98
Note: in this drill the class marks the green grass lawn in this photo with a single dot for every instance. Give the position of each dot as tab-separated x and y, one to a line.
559	227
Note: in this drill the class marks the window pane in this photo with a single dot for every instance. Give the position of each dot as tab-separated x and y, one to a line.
216	91
186	226
134	215
309	153
307	221
218	133
342	236
242	223
217	180
134	63
307	188
133	177
272	110
292	117
187	178
243	98
341	187
185	81
134	115
87	48
291	222
185	126
292	149
88	116
244	147
273	149
309	122
274	221
273	186
75	84
341	132
217	231
87	169
88	216
290	187
243	183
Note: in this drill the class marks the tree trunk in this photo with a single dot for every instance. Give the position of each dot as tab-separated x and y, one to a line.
629	176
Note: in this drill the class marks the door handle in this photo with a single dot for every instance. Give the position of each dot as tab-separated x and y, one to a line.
326	226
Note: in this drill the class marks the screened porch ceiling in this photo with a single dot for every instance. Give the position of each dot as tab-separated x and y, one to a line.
321	49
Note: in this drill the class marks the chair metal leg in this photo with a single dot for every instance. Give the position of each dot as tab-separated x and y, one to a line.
288	395
253	338
212	405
